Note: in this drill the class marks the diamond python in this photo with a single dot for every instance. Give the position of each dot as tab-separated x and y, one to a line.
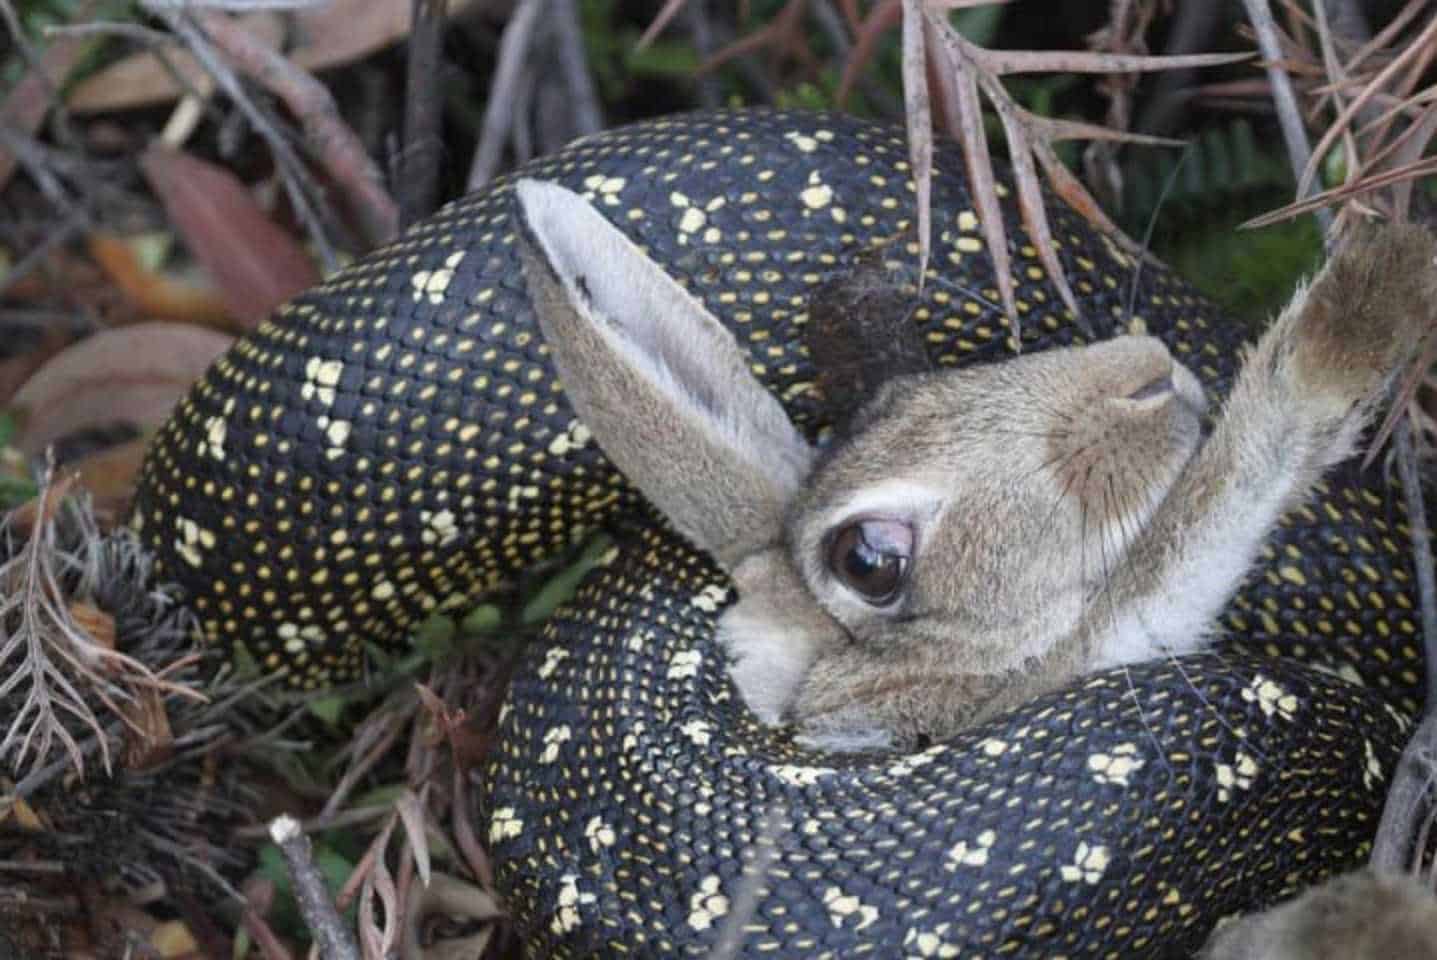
394	442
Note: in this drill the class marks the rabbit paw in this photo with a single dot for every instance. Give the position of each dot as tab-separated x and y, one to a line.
1365	315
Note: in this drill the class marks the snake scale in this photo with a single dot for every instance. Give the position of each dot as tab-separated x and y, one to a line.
394	442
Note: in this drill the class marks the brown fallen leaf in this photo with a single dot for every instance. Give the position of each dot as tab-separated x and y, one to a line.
255	264
327	35
132	374
16	369
42	507
142	79
97	623
149	740
110	476
157	295
29	101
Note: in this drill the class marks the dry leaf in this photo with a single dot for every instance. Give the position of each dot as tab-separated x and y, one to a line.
142	80
133	374
97	623
24	518
110	475
411	815
157	295
255	264
16	369
328	35
149	741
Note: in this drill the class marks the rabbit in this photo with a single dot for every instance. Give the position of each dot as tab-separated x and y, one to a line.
983	534
1363	915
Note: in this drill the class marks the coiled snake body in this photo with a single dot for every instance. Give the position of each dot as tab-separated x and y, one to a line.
394	442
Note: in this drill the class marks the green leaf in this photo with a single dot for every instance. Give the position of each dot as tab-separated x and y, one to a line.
562	585
484	618
664	60
329	708
435	636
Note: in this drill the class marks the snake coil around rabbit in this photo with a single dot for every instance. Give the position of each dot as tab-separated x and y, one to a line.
938	684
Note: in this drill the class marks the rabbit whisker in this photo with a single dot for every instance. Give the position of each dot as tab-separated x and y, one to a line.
1109	496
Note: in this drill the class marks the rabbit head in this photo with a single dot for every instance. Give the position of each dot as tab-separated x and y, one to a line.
929	569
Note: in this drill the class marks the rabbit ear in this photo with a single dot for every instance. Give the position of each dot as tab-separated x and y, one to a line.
660	383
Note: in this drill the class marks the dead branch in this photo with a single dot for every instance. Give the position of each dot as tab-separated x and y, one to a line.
330	139
514	46
423	110
330	933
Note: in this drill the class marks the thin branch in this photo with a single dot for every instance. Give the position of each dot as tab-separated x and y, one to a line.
331	934
330	139
514	48
295	178
584	106
1289	114
423	111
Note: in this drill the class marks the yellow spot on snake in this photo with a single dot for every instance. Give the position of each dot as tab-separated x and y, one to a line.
817	197
1371	769
684	664
431	284
1114	767
337	433
552	658
440	527
692	220
710	598
1237	776
993	748
1088	864
554	737
975	855
571	898
214	443
931	944
841	906
699	732
576	437
320	378
505	825
1270	698
803	142
599	834
707	904
799	776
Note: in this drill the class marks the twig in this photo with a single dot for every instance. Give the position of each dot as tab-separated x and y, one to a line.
57	236
1289	114
701	35
28	102
499	114
1409	798
584	108
295	179
330	933
423	111
1421	546
330	139
32	157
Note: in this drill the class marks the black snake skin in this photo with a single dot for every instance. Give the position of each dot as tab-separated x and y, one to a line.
394	442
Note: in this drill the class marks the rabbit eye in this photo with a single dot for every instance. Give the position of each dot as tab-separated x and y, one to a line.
871	557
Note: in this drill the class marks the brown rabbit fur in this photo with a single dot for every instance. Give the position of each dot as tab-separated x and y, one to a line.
983	534
1364	915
